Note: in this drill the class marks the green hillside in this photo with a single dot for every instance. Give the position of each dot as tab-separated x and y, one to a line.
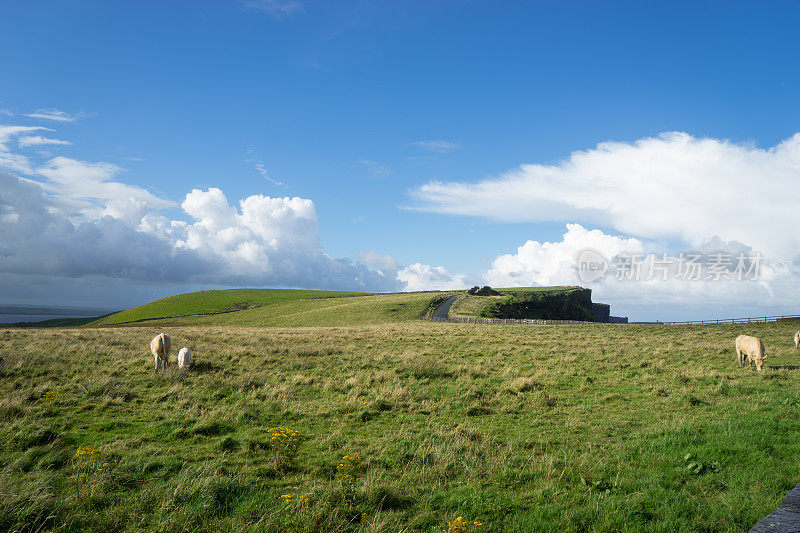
215	302
351	311
280	307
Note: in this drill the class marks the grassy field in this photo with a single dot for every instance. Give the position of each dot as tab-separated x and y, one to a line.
520	428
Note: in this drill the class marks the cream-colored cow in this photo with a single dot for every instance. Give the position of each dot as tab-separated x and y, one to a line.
797	340
752	349
160	346
184	358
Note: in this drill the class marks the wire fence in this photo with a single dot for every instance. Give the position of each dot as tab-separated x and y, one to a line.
533	321
748	320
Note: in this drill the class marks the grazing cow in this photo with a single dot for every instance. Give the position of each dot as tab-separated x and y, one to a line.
796	340
160	346
752	348
2	365
184	358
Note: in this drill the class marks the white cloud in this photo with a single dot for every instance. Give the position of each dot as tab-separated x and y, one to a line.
15	163
261	169
378	170
38	140
56	115
277	8
84	188
437	146
8	132
263	242
419	277
383	263
674	186
554	263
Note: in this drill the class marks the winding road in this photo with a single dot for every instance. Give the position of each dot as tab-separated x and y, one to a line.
442	311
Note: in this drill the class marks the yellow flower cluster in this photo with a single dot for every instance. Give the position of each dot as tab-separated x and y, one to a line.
285	444
459	525
303	501
349	468
50	395
85	453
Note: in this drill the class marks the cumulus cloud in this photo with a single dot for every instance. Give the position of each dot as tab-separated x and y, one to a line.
436	146
674	186
38	140
419	277
656	291
70	218
553	263
262	241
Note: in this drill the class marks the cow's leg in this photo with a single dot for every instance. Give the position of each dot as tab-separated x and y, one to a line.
739	357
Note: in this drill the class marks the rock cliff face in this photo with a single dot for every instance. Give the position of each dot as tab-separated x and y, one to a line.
571	304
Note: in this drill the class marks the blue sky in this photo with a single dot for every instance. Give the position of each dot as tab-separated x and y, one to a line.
357	105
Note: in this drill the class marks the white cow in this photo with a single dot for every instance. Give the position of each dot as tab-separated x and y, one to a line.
796	340
184	358
750	349
160	346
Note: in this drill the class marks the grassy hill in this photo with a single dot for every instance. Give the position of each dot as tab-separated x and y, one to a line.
350	311
215	302
521	428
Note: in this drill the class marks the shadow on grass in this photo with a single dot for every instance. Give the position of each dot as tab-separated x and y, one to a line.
784	367
203	367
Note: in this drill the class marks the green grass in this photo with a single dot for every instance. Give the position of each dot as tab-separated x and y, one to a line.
470	305
215	302
523	428
554	288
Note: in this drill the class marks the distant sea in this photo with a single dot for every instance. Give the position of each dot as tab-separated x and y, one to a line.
10	314
10	319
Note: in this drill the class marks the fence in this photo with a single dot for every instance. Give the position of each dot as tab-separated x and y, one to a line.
536	321
774	318
476	320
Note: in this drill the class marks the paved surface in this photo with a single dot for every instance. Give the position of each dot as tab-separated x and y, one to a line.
784	519
442	310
